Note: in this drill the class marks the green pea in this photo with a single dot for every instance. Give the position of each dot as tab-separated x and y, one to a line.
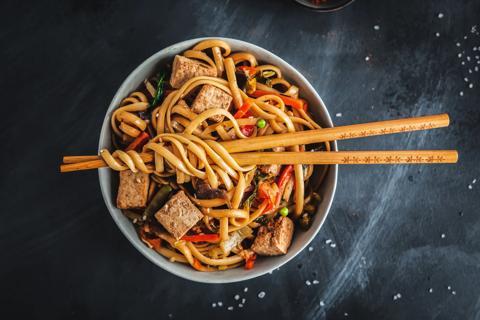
284	211
261	123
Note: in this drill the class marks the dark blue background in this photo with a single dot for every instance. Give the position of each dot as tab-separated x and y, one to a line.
62	255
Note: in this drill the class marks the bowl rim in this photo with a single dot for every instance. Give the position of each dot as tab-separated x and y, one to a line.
164	263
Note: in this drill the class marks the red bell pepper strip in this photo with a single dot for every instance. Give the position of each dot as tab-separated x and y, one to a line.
202	237
247	130
250	71
268	194
138	142
250	261
292	102
285	175
243	110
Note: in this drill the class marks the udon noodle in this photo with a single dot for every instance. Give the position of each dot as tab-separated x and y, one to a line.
241	209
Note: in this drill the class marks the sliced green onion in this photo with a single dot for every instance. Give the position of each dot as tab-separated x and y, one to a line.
284	211
261	123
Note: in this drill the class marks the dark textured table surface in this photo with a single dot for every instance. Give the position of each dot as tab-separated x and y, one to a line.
407	237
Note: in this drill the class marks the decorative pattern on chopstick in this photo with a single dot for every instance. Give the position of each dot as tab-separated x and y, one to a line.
349	157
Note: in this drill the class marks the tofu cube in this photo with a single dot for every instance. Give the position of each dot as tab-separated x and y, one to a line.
274	238
133	190
184	69
211	97
178	215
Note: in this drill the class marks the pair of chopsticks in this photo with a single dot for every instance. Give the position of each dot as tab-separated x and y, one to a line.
240	149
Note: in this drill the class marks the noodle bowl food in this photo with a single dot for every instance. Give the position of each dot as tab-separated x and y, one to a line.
194	203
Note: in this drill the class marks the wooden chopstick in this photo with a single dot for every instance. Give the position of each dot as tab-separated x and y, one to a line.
338	133
320	157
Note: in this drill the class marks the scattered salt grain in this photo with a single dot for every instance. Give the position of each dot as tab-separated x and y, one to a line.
310	249
468	58
214	305
261	294
469	70
465	37
338	115
220	303
315	282
459	55
476	69
465	79
237	297
170	316
461	93
470	85
440	15
322	304
245	289
454	292
437	34
376	27
470	187
346	314
458	44
430	290
308	283
397	296
463	63
333	245
367	58
328	241
240	305
443	235
449	288
230	308
243	300
474	181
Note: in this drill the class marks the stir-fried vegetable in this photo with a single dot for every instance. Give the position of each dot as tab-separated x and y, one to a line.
243	110
247	130
285	175
292	102
235	238
261	123
284	211
250	261
157	201
159	91
202	238
139	141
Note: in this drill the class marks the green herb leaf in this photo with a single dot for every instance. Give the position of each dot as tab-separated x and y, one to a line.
159	93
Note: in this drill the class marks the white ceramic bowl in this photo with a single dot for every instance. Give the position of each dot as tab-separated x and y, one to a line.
108	178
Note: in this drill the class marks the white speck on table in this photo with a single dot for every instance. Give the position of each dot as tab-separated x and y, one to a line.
430	290
230	308
458	44
397	296
470	85
440	15
459	55
245	289
437	34
333	245
214	305
315	282
328	241
367	58
261	294
237	297
220	303
322	304
470	187
376	27
308	283
338	115
310	249
449	288
461	93
454	292
443	236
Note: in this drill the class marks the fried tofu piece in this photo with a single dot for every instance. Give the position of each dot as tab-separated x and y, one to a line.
178	215
133	190
184	69
211	97
274	238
